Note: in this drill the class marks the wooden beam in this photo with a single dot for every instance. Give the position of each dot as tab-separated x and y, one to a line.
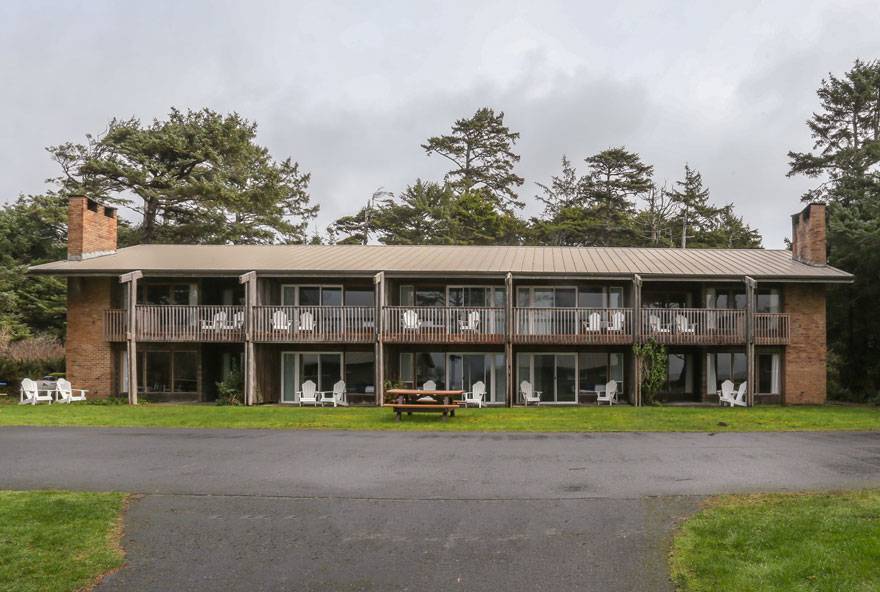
637	338
131	279
508	339
751	285
379	357
249	280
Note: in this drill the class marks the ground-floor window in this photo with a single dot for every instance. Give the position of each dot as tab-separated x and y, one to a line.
554	375
679	374
597	368
164	371
326	369
769	373
456	370
725	366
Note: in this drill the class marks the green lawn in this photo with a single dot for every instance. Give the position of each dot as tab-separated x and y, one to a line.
58	541
781	542
543	419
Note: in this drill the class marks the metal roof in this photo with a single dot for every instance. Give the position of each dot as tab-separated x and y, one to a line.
452	260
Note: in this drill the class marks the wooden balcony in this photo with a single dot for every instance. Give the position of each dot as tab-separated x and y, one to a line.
115	324
694	326
772	328
314	324
223	324
442	324
602	326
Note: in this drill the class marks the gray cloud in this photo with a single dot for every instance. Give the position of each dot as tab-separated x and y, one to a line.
350	90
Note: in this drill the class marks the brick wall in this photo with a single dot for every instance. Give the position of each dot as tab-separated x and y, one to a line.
805	378
808	235
89	356
91	228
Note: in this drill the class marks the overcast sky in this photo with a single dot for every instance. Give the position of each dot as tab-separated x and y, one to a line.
350	89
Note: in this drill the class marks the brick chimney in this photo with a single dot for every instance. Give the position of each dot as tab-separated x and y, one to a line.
808	235
91	228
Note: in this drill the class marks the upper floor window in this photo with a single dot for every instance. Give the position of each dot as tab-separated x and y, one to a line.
666	299
729	298
475	296
311	295
769	300
546	297
164	294
600	297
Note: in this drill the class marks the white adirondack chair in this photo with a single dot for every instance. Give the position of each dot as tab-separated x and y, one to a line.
215	324
411	320
593	324
430	385
472	323
617	321
65	393
609	395
740	398
656	326
725	395
476	394
336	396
306	321
529	395
237	321
31	395
682	325
308	395
280	322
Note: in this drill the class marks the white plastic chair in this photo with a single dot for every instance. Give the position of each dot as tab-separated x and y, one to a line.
336	396
472	323
306	321
476	394
593	324
237	321
617	321
30	393
682	325
64	392
308	395
528	394
280	322
656	327
217	323
740	398
609	395
725	395
410	319
430	385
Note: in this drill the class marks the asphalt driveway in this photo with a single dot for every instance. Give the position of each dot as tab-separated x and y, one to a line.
297	510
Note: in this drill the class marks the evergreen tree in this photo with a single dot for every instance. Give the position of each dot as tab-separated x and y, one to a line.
692	200
614	178
481	151
565	190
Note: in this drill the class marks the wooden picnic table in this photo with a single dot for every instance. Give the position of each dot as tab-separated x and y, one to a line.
408	400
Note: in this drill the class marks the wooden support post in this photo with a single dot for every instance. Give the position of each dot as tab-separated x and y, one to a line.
750	339
508	339
249	280
131	279
379	358
637	338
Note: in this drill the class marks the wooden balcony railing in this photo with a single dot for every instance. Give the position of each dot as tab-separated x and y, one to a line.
443	324
190	323
311	324
700	326
573	325
115	324
771	328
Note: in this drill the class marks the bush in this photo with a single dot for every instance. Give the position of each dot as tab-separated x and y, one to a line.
229	390
30	357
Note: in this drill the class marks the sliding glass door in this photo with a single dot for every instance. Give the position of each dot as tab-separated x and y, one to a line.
324	369
466	369
554	375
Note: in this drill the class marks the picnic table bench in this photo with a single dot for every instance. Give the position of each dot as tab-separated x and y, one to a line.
410	408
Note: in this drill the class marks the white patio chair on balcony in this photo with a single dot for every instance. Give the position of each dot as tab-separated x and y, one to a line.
683	325
529	395
725	395
410	320
217	323
31	395
476	394
618	319
308	395
237	322
472	323
280	321
656	326
65	393
593	323
608	395
306	321
336	396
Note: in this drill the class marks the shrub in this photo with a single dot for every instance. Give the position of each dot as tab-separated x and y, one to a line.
653	361
30	357
229	390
